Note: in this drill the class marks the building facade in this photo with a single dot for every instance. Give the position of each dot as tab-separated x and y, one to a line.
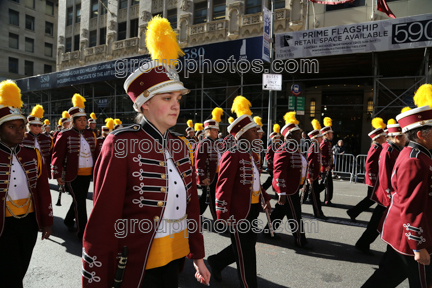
28	37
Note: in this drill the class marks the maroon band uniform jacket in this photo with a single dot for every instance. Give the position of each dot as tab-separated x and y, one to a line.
99	143
271	149
388	156
37	181
326	154
68	145
235	184
45	144
287	171
314	161
206	160
131	184
371	165
408	223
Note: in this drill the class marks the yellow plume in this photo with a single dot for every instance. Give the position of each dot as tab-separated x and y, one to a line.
328	121
65	114
46	122
378	123
276	128
217	113
78	100
391	122
241	106
109	123
316	125
405	109
37	111
190	123
93	115
161	40
230	120
10	94
59	122
289	117
117	122
258	121
423	96
199	126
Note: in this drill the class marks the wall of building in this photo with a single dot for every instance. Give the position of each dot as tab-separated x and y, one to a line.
38	35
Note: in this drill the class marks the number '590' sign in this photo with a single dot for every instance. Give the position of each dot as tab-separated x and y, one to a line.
418	31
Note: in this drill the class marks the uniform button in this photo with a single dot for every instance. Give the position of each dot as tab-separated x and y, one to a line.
163	189
171	171
177	195
175	182
250	188
160	204
4	190
177	207
9	158
156	218
163	176
161	163
6	181
14	178
9	165
7	173
13	171
14	185
27	172
184	175
178	163
19	158
3	198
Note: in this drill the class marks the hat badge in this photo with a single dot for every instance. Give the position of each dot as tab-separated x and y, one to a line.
172	75
14	111
81	110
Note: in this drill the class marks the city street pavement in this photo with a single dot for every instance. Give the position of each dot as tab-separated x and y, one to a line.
332	263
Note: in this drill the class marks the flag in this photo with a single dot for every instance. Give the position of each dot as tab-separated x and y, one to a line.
383	7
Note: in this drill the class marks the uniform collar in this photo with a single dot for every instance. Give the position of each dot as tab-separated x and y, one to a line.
378	144
420	147
148	127
391	143
9	150
34	135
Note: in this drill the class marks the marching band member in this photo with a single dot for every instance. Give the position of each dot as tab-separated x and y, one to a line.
190	132
26	200
155	186
327	159
275	137
382	195
229	141
289	176
207	162
92	124
73	153
378	137
37	139
46	128
199	128
260	132
65	124
109	122
238	192
314	168
118	124
407	227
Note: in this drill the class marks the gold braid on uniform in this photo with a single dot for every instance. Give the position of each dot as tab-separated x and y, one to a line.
39	164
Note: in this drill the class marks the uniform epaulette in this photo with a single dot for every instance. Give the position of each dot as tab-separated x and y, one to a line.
131	128
414	153
390	148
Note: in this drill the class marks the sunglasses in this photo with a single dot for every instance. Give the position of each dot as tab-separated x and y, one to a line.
36	125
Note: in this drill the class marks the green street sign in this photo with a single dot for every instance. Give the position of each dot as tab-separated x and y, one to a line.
291	102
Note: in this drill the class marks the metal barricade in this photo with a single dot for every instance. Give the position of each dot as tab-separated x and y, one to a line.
360	166
344	164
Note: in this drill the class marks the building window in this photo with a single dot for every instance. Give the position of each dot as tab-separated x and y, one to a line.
78	13
172	17
93	38
28	68
69	16
13	17
29	45
133	28
370	106
29	4
13	65
68	44
16	1
121	31
102	36
48	49
49	28
123	4
312	108
47	68
29	23
49	8
356	3
13	41
94	8
200	12
219	7
135	2
76	42
103	9
278	4
253	6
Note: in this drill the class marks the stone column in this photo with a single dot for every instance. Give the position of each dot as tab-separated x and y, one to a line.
111	27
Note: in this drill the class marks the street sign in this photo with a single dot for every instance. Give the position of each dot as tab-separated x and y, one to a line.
272	82
102	103
266	35
300	105
291	103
